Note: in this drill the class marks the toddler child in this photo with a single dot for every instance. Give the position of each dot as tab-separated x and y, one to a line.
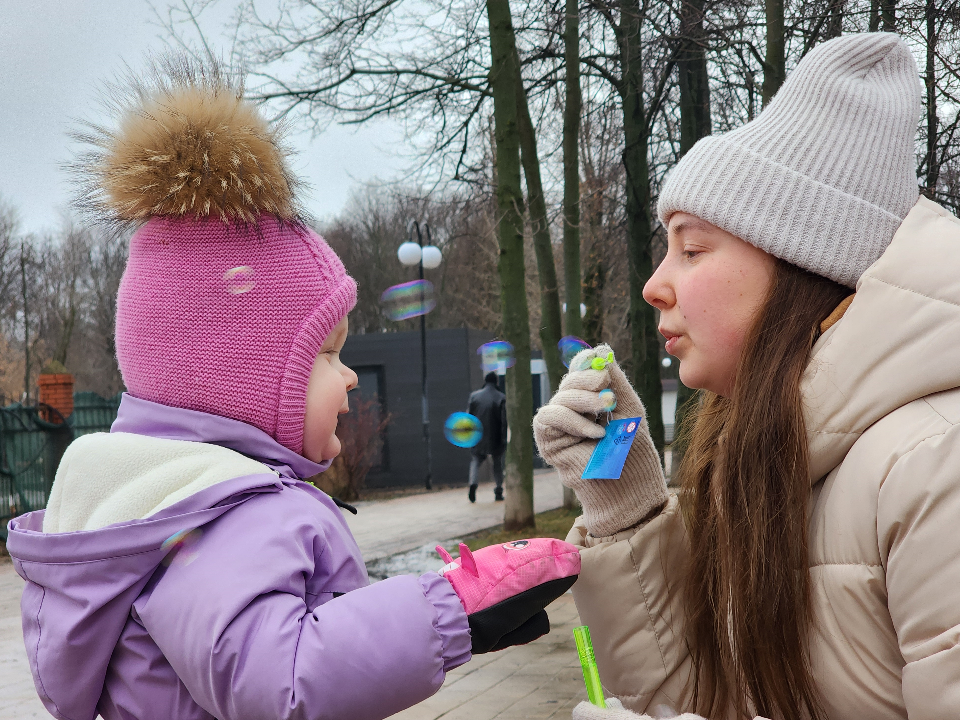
182	569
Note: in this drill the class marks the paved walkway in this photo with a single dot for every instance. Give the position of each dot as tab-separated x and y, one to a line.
18	698
388	527
539	680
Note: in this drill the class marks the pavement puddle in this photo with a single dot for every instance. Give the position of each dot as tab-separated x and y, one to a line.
413	562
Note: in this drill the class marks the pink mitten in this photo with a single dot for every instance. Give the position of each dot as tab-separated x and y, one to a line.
505	588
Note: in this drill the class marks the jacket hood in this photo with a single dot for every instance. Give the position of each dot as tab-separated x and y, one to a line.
897	342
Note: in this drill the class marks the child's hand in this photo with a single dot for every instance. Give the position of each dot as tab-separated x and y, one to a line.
567	431
505	588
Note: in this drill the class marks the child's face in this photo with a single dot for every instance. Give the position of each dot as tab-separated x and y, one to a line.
330	380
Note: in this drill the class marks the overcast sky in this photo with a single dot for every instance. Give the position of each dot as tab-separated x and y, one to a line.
54	56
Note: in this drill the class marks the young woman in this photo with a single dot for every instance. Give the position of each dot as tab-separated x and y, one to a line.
810	567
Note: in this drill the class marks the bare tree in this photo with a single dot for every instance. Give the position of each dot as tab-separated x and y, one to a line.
98	370
58	303
9	230
367	233
29	269
504	74
9	246
65	271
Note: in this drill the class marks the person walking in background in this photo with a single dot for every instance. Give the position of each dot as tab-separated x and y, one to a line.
489	405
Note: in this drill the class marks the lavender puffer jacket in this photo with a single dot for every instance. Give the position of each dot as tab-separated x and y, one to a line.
271	616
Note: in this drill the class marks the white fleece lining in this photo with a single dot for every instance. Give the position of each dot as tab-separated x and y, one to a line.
107	478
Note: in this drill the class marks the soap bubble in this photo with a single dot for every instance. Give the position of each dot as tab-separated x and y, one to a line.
608	400
408	300
666	362
463	429
569	347
181	547
496	356
240	279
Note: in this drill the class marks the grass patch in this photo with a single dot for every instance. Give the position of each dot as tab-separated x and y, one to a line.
550	524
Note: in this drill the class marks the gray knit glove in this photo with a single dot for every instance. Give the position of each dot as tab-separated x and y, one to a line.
566	431
614	710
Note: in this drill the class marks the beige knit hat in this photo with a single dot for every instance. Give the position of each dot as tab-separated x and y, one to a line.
824	176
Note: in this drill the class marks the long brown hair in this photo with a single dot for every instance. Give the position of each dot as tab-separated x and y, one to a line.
744	495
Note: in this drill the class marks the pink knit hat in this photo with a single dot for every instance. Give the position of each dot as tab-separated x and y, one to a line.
227	296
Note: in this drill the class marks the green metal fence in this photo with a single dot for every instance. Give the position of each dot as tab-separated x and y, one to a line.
31	448
92	413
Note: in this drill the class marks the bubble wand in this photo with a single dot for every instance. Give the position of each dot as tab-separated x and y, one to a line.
591	676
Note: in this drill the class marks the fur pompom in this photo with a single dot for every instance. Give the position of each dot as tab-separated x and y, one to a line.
186	144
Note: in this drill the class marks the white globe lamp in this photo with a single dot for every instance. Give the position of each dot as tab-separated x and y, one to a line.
409	253
431	257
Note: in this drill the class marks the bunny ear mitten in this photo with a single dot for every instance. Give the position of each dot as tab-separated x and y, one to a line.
505	588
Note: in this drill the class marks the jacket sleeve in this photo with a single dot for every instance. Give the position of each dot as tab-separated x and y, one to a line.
629	594
233	623
917	512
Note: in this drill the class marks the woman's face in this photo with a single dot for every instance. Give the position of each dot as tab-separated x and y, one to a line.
708	290
330	380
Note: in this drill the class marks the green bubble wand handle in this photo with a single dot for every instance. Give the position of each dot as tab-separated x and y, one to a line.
591	677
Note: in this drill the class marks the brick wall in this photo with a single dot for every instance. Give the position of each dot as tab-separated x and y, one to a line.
57	392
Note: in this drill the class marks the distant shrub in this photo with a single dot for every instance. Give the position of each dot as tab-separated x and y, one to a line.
361	441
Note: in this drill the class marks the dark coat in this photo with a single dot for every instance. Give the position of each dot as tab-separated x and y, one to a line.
490	406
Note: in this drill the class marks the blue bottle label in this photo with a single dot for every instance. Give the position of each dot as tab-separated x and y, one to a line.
611	452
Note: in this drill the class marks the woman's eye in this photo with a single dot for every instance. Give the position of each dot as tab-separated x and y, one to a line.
691	254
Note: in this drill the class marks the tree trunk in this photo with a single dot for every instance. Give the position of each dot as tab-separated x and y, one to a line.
518	512
933	165
542	245
593	296
693	79
594	275
888	15
68	324
775	62
695	123
644	345
571	184
835	19
571	170
26	325
874	15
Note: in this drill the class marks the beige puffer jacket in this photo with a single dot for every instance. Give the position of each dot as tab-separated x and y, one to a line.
883	396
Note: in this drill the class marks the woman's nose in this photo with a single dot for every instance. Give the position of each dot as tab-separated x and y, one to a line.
658	291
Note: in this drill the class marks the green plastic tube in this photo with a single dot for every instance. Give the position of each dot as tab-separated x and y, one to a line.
591	677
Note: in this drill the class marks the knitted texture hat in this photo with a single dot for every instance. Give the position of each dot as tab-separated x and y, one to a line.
227	297
823	177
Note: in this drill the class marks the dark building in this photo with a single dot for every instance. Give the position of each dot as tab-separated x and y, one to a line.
388	368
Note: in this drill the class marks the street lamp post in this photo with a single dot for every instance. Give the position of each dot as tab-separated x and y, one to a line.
428	256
